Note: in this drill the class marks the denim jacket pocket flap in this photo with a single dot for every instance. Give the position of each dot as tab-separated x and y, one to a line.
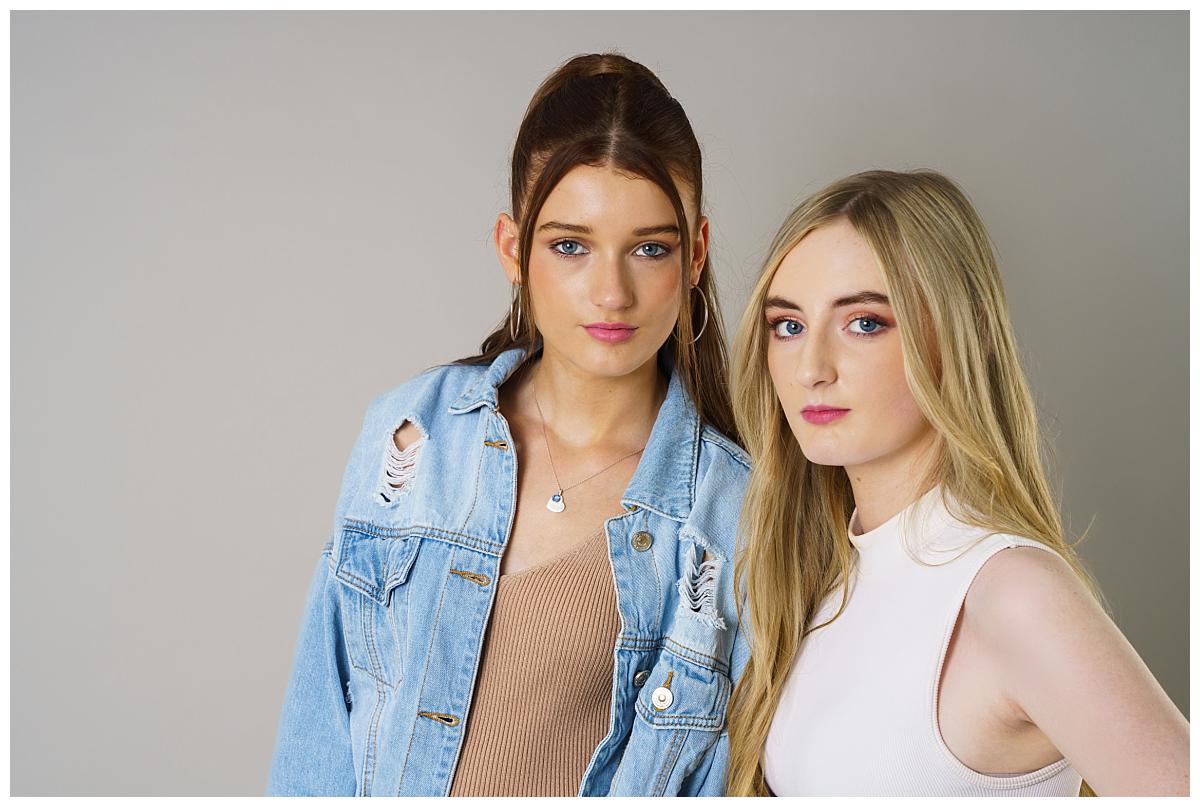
374	564
679	694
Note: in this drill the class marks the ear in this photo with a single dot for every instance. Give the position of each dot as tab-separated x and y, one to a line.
505	236
699	251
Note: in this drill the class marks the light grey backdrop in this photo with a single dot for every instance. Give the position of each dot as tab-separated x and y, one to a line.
230	231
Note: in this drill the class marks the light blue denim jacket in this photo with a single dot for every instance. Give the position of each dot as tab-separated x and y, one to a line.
380	694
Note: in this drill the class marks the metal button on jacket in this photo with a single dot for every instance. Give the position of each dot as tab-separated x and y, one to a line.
640	677
661	698
641	541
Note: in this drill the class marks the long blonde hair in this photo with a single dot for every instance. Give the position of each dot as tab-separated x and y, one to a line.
962	367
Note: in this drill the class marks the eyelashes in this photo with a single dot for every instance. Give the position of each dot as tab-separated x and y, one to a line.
876	325
785	328
663	250
869	325
570	248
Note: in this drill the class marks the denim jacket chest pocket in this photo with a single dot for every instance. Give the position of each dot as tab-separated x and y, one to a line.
680	694
373	568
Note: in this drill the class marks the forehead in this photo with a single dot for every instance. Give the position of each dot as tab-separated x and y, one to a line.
831	261
599	195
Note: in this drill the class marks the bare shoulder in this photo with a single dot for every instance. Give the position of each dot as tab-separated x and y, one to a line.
1024	592
1067	669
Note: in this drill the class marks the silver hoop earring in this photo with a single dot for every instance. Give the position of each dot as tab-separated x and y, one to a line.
704	300
514	313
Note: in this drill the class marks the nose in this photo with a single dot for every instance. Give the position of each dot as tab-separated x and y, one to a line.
816	363
612	286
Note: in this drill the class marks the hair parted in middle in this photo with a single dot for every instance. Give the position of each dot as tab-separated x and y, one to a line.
607	110
962	366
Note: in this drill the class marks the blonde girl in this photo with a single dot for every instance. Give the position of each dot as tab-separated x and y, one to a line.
919	623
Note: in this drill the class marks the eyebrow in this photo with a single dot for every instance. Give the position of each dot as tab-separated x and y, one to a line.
854	299
660	229
571	228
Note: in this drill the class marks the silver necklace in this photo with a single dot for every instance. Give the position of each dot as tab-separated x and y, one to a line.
556	503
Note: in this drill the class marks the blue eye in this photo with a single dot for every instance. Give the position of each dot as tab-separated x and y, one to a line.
867	326
567	247
655	251
786	328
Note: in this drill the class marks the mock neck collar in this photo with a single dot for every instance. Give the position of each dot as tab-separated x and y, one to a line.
665	479
927	513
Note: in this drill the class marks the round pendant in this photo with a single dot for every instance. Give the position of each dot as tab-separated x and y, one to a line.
556	503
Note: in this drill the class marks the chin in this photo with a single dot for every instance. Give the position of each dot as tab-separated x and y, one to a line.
822	457
820	452
612	361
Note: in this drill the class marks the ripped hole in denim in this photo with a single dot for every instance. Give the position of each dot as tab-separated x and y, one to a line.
698	588
400	460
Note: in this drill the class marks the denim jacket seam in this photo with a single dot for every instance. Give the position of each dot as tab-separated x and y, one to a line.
371	750
679	721
418	530
470	694
424	677
670	760
475	487
662	642
710	436
697	430
358	584
373	676
683	651
658	584
657	511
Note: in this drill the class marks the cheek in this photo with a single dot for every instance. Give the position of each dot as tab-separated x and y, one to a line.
777	369
544	271
660	288
658	297
896	408
549	287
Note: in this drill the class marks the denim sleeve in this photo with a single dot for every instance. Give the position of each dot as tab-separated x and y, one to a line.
312	751
711	781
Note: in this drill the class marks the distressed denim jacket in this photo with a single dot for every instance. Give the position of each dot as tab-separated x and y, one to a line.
380	695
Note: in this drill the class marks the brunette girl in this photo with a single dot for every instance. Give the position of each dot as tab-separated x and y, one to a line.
528	589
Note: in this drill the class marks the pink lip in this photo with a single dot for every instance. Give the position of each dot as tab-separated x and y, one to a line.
610	331
822	414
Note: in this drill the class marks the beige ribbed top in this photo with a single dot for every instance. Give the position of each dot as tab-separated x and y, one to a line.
542	698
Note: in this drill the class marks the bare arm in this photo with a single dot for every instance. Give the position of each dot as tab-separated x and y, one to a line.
1068	668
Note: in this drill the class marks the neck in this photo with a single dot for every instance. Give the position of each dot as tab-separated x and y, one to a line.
583	410
886	486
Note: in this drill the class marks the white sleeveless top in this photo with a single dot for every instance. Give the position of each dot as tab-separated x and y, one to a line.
858	713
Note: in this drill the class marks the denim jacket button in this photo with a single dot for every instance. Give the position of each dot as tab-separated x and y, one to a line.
640	677
641	541
661	698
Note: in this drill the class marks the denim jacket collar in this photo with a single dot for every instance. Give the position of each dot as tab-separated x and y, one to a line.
665	479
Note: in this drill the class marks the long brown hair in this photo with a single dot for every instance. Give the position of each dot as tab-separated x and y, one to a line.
607	110
961	363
